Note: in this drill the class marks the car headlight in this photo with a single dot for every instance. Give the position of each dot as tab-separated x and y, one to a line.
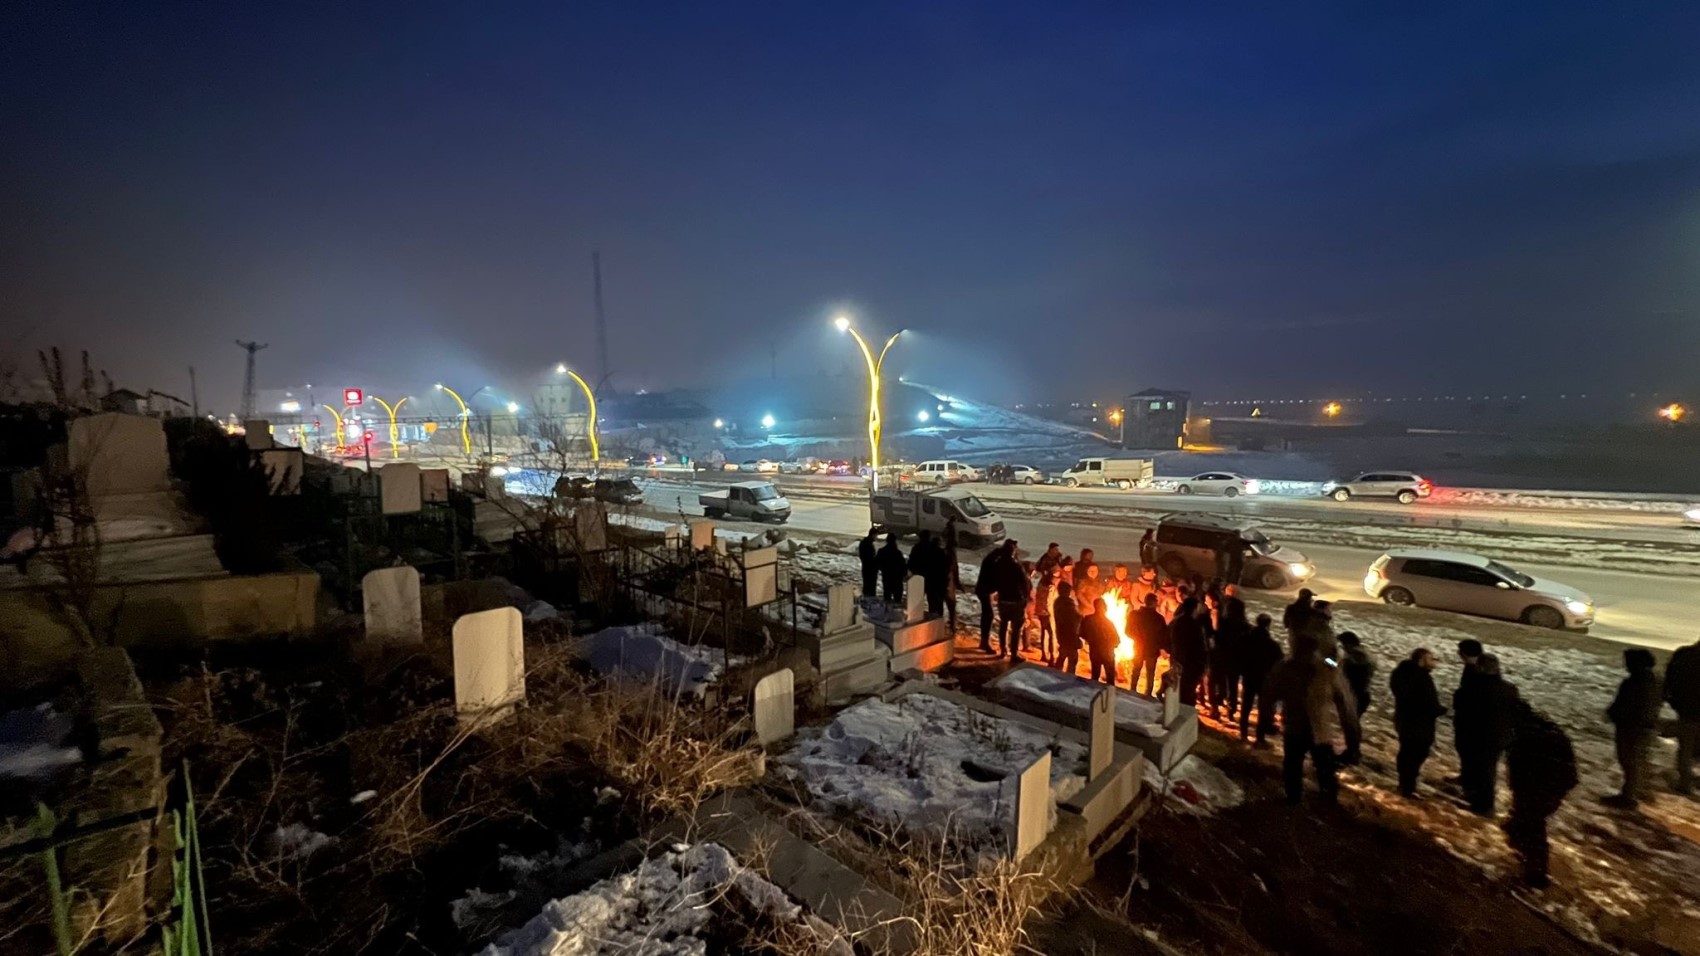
1578	607
498	471
1299	569
1253	486
1692	514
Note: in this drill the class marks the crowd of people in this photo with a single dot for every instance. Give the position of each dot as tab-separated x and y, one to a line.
1194	638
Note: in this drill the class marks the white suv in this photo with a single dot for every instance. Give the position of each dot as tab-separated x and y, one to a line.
1401	486
1472	584
942	472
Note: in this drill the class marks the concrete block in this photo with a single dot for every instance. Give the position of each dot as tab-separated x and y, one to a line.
434	484
1102	732
914	598
773	707
841	685
702	535
1032	807
115	453
391	604
926	658
833	651
902	638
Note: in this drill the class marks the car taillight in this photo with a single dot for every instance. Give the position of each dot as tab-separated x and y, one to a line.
1425	486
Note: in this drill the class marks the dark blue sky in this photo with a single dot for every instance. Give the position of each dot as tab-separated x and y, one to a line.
1061	198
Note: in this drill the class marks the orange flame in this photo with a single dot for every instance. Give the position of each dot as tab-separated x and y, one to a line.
1118	609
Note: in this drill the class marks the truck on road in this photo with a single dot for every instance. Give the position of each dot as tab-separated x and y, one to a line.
755	500
1123	473
911	511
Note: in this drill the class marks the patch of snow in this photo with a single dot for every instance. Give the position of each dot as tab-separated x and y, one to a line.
297	841
362	797
1142	715
644	653
906	764
665	907
1194	785
32	742
477	907
541	611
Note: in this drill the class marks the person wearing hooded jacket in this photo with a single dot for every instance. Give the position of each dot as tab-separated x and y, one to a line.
1314	701
1227	651
1634	714
867	551
927	560
1484	713
893	569
1189	647
1013	588
1065	617
1098	633
1261	653
985	590
1416	707
1540	766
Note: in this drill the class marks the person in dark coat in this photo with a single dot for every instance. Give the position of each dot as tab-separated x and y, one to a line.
1013	588
1189	647
1484	714
953	573
1416	707
867	551
1634	714
927	560
1065	618
1150	635
893	570
1359	668
985	590
1299	611
1682	689
1540	766
1148	549
1470	651
1233	631
1313	699
1260	655
1099	635
1050	559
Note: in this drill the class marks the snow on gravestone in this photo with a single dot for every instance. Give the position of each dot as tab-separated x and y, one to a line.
702	535
914	599
398	486
391	597
1102	745
773	707
434	484
841	608
1032	806
489	662
118	454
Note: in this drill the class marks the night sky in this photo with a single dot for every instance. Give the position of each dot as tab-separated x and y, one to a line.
1061	199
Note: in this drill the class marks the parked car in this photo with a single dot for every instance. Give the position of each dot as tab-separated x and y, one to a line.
943	472
731	466
1224	483
573	486
1402	486
903	511
1188	544
756	500
1471	584
1026	475
792	466
618	491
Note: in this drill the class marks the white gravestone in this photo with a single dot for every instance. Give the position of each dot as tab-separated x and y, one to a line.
702	535
398	486
761	576
1032	806
1102	746
117	454
914	598
773	707
434	484
391	597
489	661
1171	706
841	608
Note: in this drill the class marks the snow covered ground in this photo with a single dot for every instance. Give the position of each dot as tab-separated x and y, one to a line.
1608	867
681	903
1073	694
643	653
929	766
1195	786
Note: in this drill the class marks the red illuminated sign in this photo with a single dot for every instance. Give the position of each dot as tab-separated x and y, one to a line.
352	396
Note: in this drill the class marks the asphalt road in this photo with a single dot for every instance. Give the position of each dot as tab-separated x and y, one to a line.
1636	607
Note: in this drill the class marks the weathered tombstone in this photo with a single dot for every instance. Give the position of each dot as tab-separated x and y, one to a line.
773	707
391	598
398	488
1032	806
284	467
495	487
590	526
257	434
702	535
761	577
116	454
434	484
1102	747
914	598
841	608
1171	707
489	662
674	534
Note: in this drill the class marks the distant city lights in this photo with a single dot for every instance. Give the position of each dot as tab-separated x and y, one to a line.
291	406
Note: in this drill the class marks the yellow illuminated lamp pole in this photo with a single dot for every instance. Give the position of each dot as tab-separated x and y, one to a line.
874	366
465	413
338	423
1673	412
1116	419
590	398
392	409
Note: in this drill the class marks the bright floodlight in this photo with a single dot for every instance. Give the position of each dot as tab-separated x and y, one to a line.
438	386
719	423
843	323
513	407
560	368
922	415
767	421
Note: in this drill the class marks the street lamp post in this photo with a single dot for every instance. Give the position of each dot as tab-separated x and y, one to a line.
394	431
338	416
590	400
465	414
874	366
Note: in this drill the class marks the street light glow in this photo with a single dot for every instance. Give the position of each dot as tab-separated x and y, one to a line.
1673	412
719	423
767	421
842	322
874	366
1331	409
513	407
922	415
560	368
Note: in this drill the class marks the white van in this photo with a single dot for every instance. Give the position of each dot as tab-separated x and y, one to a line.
943	472
1123	473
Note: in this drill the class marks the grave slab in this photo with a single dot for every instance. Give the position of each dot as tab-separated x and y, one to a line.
489	664
118	454
773	707
391	600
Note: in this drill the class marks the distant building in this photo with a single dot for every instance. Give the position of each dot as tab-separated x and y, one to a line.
1155	418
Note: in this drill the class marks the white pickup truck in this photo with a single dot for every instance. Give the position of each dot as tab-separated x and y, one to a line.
905	511
756	500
